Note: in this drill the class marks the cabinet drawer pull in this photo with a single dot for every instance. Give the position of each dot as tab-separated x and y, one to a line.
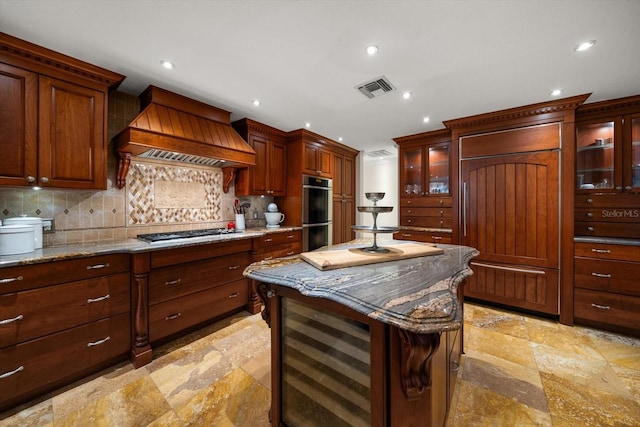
15	319
516	270
95	343
589	200
234	295
409	220
267	258
234	267
589	215
590	228
91	300
173	282
604	276
268	239
290	253
97	266
436	237
8	374
601	251
173	316
290	236
406	235
10	279
408	210
601	307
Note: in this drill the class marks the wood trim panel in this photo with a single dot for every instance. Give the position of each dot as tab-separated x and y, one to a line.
511	141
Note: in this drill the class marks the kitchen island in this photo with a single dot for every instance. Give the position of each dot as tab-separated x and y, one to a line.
371	345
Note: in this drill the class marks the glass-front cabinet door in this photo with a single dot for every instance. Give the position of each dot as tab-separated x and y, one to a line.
411	168
595	157
632	178
439	169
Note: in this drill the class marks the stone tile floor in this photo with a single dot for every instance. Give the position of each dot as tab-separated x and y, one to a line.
517	370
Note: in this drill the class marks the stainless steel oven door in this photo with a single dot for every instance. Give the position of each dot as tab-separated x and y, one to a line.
315	236
316	200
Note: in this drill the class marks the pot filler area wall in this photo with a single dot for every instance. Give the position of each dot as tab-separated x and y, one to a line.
158	197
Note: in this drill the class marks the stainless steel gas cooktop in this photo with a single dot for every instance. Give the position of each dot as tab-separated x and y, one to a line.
176	235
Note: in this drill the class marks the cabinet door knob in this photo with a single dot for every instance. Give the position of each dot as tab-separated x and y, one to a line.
30	178
590	228
409	211
589	200
619	188
44	179
589	215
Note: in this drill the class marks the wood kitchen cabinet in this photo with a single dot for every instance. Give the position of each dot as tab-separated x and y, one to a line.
60	321
606	286
54	118
311	154
425	196
514	175
175	290
607	200
344	198
268	176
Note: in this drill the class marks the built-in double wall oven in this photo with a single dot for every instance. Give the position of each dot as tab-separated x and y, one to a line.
316	212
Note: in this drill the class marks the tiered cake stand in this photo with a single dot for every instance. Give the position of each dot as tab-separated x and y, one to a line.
374	210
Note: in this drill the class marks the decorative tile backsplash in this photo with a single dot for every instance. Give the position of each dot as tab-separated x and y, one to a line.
142	206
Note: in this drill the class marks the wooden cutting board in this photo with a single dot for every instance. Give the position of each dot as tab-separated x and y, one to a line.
340	258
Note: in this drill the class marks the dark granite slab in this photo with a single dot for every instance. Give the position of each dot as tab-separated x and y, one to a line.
417	294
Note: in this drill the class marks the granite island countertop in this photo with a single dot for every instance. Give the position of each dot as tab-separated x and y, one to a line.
416	294
57	253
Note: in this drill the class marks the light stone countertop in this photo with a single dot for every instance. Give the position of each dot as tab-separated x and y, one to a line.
56	253
415	294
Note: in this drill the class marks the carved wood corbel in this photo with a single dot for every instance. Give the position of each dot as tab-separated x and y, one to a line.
416	351
228	175
262	290
124	160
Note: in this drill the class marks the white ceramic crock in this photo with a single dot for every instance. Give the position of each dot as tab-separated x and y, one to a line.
16	239
29	220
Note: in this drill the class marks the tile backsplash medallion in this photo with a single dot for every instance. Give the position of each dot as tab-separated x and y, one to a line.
159	196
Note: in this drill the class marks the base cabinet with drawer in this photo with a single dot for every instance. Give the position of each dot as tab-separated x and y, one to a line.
606	285
175	290
271	246
60	321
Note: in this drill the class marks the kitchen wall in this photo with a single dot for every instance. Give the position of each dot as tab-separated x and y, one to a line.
159	196
378	175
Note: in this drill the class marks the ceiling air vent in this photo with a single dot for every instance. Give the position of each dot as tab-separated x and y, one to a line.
379	153
375	87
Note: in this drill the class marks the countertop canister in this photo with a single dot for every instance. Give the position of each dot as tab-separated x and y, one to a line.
29	220
16	239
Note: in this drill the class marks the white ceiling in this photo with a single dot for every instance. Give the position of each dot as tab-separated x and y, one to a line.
302	58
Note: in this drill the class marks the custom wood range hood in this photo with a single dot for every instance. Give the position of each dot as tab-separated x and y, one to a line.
177	128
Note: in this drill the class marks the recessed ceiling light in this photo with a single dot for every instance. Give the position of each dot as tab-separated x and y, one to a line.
372	50
406	95
307	125
584	46
168	64
340	138
256	102
555	92
425	119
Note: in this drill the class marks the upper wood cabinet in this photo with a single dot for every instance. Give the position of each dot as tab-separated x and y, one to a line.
608	146
53	121
424	164
268	176
317	160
